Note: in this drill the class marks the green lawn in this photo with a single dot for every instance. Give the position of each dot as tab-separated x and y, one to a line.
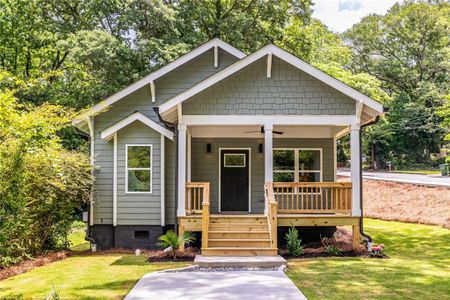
96	276
418	267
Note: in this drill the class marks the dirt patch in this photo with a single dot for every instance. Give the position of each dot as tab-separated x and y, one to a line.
403	202
27	265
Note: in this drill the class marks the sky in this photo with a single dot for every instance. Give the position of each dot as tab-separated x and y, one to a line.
340	15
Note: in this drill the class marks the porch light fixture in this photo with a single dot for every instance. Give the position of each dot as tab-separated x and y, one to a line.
208	148
260	148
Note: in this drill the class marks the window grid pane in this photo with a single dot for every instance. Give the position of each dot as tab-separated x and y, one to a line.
284	160
138	157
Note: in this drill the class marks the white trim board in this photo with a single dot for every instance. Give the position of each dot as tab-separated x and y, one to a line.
236	120
158	73
249	176
107	133
270	49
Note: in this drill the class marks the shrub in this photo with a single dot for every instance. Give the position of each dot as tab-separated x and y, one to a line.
172	240
293	243
42	185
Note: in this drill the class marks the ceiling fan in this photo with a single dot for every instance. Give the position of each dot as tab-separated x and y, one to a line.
262	131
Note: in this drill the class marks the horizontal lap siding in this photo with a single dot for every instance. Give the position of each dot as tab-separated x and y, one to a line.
205	167
166	87
289	91
138	208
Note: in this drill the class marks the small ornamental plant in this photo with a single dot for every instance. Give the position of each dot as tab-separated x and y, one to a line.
173	241
330	246
293	243
377	250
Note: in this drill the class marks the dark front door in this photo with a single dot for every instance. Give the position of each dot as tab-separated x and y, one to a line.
234	180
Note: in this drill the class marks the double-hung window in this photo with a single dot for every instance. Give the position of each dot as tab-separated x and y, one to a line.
139	164
297	165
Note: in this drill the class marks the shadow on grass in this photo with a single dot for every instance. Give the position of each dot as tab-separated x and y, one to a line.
130	260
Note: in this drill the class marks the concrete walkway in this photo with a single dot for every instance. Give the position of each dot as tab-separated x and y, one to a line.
261	285
429	180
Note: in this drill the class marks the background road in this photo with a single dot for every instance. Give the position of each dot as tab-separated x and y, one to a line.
432	180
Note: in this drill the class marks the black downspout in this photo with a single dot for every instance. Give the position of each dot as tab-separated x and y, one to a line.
361	223
88	237
173	128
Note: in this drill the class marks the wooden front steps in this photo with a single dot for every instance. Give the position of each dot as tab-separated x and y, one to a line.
238	236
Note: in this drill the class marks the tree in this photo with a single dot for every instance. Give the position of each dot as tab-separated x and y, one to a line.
42	184
407	51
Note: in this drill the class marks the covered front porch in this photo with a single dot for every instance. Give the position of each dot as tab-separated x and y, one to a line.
271	172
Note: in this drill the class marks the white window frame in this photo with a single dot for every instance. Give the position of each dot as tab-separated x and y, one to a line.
149	169
239	154
297	170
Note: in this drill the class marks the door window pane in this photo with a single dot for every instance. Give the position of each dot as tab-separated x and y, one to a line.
234	160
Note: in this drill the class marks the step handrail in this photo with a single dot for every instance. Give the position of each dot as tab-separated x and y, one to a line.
272	217
205	215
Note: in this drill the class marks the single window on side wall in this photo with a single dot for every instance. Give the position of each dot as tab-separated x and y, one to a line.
139	168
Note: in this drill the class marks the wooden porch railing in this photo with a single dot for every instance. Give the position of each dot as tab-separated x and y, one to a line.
195	195
272	214
197	202
313	197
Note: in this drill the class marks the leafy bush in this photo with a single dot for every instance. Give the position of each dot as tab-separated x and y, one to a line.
172	240
293	243
42	184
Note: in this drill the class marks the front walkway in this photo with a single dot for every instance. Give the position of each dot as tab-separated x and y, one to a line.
263	285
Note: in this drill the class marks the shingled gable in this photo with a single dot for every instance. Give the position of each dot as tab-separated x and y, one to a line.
370	106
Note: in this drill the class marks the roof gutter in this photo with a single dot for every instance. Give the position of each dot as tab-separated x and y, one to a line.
361	223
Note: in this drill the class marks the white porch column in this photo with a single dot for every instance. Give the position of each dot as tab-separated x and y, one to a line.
355	169
268	158
181	169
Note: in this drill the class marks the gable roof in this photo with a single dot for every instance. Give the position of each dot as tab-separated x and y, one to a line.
159	73
107	133
170	105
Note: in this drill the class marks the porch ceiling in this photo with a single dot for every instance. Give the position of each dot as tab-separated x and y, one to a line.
254	131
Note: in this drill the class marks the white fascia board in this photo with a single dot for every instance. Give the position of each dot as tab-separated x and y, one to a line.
160	72
333	120
287	57
137	116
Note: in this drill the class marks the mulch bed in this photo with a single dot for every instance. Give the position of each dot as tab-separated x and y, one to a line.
343	239
159	256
